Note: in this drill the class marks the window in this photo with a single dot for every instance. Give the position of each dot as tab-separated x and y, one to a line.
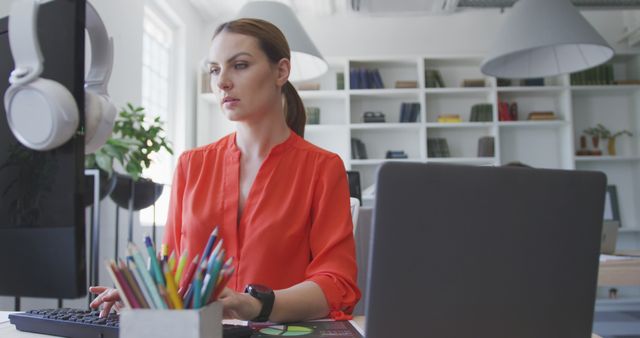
158	79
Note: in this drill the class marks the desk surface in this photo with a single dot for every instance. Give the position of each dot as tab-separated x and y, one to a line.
9	331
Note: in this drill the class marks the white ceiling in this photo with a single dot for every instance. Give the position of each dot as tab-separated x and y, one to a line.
226	9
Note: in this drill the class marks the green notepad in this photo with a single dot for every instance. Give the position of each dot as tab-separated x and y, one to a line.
314	329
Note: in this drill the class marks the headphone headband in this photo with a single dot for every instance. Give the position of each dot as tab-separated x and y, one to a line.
23	38
101	53
25	48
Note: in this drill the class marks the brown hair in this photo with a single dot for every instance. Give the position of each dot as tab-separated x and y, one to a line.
275	46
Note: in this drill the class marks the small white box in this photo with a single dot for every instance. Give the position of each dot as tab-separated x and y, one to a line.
203	323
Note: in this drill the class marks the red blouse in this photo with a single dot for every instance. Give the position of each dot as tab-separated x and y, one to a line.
296	224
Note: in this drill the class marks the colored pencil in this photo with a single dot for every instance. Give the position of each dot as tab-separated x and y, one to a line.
186	279
223	282
143	286
146	277
180	267
155	266
137	292
211	278
116	282
126	289
171	289
210	242
197	285
172	263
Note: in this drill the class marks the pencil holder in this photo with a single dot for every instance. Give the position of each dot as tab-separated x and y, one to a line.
202	323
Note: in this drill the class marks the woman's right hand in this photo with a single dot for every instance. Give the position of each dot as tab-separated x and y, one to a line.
107	297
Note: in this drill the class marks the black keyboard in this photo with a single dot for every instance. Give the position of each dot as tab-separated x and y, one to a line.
78	323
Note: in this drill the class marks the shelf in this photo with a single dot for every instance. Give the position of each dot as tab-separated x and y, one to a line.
386	125
628	230
322	94
463	160
623	300
380	161
531	89
391	92
459	124
323	127
458	90
606	158
533	124
605	88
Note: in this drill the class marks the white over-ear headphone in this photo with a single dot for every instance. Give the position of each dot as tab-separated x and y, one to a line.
42	113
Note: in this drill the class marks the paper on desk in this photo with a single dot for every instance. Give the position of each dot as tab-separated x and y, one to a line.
235	322
4	316
607	258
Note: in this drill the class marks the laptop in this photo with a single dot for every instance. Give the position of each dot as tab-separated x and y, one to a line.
461	251
609	237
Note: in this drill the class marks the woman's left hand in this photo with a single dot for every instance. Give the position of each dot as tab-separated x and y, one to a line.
239	305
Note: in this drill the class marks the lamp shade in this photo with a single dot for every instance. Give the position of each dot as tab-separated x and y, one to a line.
545	38
306	61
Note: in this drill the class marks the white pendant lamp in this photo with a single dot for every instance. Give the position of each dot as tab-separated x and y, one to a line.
306	61
545	38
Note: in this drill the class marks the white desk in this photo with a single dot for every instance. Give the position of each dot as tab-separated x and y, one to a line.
9	331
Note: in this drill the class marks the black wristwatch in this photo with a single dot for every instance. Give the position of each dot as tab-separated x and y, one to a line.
266	296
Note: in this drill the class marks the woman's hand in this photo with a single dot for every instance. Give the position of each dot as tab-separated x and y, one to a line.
108	297
239	305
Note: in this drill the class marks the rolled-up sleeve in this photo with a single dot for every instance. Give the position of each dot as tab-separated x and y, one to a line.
333	262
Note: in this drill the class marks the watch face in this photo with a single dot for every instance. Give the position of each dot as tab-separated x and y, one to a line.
259	288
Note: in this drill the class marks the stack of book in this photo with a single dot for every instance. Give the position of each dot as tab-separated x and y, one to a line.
437	147
396	154
481	112
373	117
449	118
473	83
363	78
600	75
533	82
433	79
541	116
313	115
409	112
358	150
406	84
309	86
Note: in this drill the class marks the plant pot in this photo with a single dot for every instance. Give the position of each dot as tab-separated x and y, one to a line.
611	146
106	187
145	191
595	140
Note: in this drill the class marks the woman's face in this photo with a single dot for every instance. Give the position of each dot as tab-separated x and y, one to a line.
245	83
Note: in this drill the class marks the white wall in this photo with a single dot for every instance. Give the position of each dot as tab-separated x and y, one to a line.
123	19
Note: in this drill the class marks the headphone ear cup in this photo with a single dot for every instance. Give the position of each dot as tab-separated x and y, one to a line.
42	114
100	115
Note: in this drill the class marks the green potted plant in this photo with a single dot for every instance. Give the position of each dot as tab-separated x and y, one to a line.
136	137
605	134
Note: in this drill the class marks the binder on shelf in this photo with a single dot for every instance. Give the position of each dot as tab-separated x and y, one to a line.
358	150
486	146
481	112
409	112
437	147
433	78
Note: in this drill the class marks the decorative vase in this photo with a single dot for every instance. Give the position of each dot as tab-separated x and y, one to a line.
595	141
611	146
107	184
145	192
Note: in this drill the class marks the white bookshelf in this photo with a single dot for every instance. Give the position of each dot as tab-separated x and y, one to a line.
545	144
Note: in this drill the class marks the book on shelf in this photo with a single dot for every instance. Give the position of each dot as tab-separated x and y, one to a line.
486	146
437	147
409	112
358	149
340	81
541	116
449	118
533	82
507	111
364	78
313	115
309	86
627	82
433	78
396	154
373	117
406	84
481	112
473	83
599	75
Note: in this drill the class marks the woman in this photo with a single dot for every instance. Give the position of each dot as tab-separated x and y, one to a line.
281	203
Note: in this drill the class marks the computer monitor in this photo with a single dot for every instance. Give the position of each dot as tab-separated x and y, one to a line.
42	232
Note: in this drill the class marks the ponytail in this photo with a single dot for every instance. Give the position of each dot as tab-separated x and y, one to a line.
294	109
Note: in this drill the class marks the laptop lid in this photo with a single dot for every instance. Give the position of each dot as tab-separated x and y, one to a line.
461	251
